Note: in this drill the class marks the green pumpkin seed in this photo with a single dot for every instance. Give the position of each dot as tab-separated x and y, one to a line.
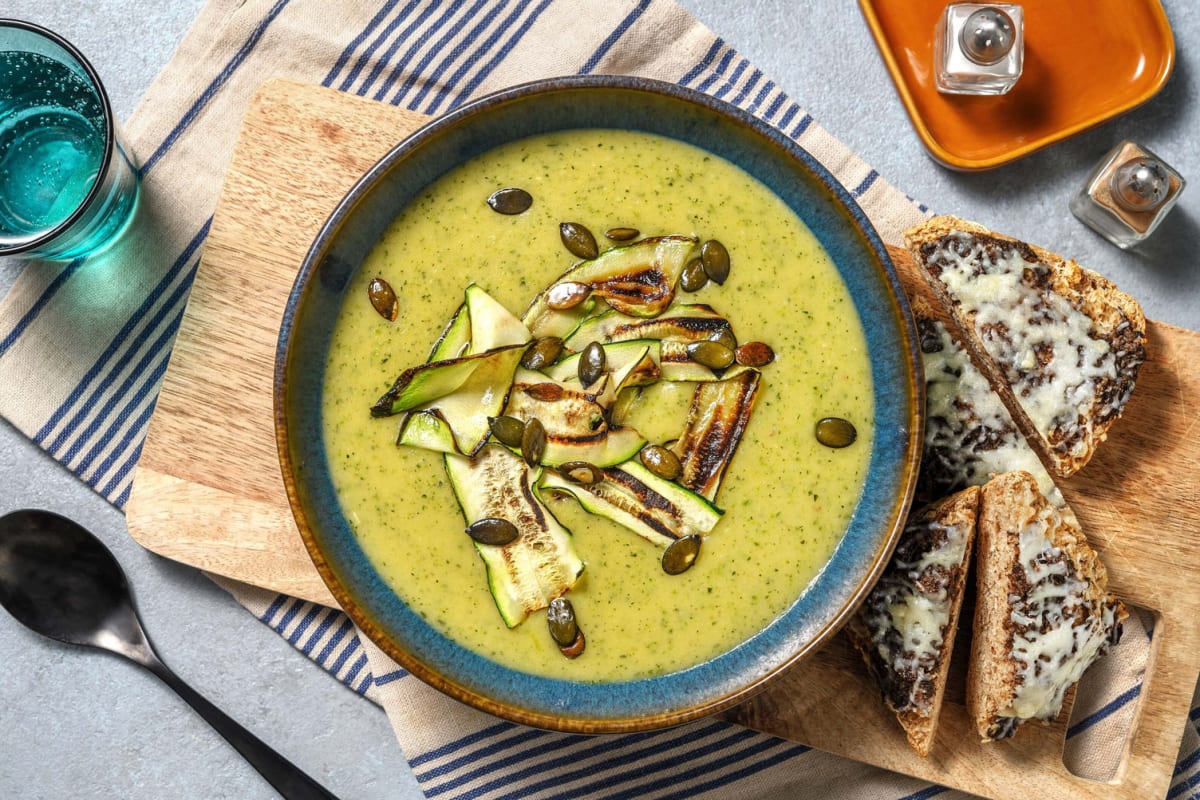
507	430
836	432
661	461
592	362
581	472
493	531
578	239
383	299
566	295
564	628
622	234
681	554
713	355
715	258
725	336
560	617
510	201
693	278
542	353
754	354
533	442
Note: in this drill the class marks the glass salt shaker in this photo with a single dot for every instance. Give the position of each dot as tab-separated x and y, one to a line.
979	48
1128	194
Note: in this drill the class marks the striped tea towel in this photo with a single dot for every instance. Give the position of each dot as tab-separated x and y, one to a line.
82	354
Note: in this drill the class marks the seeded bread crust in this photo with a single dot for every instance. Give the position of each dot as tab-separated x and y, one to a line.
1116	318
1007	504
916	696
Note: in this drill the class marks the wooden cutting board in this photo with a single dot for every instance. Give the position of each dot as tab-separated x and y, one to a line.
208	490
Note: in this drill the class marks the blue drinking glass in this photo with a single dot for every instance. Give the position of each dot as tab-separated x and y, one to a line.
68	184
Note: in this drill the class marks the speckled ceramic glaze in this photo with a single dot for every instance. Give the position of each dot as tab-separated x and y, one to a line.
845	233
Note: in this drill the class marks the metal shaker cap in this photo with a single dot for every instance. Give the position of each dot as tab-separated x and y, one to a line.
987	36
1140	184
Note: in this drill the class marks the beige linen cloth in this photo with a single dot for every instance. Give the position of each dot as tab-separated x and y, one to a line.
91	410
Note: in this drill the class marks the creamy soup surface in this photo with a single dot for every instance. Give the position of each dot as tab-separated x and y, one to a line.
787	499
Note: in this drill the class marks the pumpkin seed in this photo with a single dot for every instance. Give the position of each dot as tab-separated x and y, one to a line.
567	294
836	432
715	258
507	430
545	392
681	554
510	201
560	617
581	472
693	278
492	530
754	354
725	336
661	461
578	239
622	234
576	648
592	362
533	442
713	355
383	298
542	353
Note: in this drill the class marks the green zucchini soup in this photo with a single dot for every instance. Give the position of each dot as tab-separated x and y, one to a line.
787	494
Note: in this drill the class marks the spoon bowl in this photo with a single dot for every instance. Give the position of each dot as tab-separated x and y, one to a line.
59	580
65	584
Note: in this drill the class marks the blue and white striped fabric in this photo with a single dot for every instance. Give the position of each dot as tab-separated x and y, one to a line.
82	354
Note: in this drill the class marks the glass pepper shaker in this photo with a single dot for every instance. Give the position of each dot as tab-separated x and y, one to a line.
1128	194
979	48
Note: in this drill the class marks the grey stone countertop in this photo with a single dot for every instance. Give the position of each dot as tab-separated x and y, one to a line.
77	723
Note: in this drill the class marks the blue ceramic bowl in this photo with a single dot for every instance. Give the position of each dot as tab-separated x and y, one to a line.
844	231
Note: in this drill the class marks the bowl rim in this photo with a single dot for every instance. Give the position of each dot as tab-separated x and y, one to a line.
912	447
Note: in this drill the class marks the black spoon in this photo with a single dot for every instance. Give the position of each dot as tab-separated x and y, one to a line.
59	580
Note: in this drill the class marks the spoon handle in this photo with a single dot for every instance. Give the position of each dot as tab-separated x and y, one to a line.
287	778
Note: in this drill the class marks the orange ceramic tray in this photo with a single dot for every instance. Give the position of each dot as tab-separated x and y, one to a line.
1085	62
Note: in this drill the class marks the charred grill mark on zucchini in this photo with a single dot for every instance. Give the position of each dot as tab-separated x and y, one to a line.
717	419
570	414
649	501
641	505
674	353
575	422
658	510
648	288
687	322
533	505
541	564
637	279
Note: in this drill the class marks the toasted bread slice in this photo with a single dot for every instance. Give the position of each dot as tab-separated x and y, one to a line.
905	628
1060	344
969	434
1043	612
